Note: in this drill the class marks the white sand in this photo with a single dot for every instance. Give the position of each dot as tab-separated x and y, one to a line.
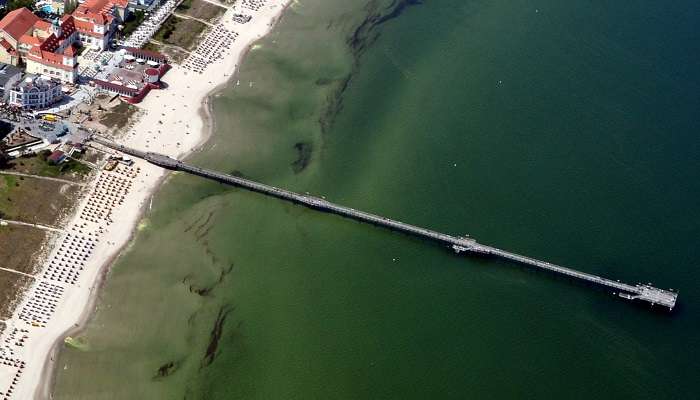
173	124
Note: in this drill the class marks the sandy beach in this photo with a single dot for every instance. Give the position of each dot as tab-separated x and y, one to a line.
175	122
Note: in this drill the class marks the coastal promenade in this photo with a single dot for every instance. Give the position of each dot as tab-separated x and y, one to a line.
460	244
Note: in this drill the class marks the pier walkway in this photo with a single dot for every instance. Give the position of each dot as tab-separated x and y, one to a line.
460	244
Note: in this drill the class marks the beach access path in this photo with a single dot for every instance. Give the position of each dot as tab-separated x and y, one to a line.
48	178
31	225
173	123
216	3
183	16
12	271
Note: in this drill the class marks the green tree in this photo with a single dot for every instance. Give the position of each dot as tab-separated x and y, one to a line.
69	6
15	4
4	159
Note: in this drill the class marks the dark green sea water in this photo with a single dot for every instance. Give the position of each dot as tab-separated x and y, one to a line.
564	130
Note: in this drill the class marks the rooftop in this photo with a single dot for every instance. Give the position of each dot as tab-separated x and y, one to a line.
34	81
57	156
147	54
106	5
8	72
129	74
17	22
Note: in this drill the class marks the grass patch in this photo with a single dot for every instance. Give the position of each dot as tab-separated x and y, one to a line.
185	5
35	200
37	165
11	285
200	9
180	32
175	54
135	19
73	167
152	47
8	183
19	247
166	29
69	167
118	116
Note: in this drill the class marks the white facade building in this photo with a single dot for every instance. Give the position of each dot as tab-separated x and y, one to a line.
35	92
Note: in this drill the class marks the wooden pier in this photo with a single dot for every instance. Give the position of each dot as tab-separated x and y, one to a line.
460	244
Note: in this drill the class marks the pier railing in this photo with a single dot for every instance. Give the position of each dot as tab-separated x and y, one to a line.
459	244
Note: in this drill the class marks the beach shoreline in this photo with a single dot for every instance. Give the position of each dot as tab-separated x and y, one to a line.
180	133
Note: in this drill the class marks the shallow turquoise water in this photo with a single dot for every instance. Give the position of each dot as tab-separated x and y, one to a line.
561	130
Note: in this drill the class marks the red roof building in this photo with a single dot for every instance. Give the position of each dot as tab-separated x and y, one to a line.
50	48
96	20
8	47
147	54
56	157
16	23
54	54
